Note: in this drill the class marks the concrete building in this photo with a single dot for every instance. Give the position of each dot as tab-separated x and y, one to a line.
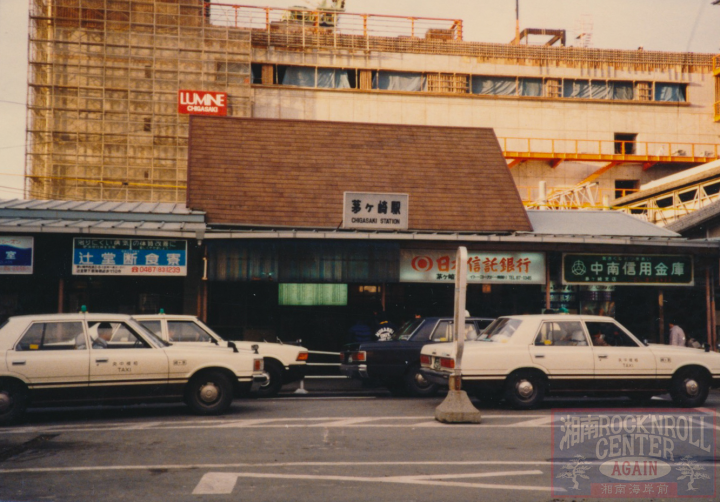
106	118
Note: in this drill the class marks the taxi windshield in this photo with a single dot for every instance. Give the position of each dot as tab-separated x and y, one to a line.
500	330
407	329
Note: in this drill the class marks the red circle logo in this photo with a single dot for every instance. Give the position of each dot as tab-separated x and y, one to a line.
422	263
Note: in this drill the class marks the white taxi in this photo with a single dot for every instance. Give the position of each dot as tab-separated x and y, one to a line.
284	363
524	358
66	359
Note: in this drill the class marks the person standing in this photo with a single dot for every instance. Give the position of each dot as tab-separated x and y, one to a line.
677	335
360	332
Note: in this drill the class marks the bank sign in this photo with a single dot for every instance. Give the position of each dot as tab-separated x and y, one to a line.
16	255
139	257
637	270
633	454
202	103
375	211
425	265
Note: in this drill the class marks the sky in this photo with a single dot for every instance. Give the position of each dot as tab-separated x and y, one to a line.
662	25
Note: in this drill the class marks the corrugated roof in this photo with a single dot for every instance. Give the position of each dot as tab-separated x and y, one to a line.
594	223
695	218
107	218
673	182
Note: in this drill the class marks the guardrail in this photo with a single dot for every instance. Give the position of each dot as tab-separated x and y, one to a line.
306	20
610	150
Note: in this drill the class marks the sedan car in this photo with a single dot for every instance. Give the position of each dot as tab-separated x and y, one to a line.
396	363
284	363
525	358
71	359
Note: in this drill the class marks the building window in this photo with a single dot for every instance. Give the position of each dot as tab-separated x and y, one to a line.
624	188
625	143
494	86
531	87
400	81
670	92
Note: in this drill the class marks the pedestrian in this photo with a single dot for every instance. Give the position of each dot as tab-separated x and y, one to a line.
677	335
385	328
360	332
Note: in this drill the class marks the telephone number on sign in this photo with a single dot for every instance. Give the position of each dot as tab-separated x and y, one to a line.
163	270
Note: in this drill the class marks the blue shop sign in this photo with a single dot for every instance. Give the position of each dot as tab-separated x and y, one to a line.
157	257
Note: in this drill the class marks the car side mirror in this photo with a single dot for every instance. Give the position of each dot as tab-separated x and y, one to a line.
256	348
233	346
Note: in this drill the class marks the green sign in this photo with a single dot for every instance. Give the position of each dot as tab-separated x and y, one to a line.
638	270
313	294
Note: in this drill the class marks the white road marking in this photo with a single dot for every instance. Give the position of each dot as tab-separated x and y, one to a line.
359	422
538	422
269	464
224	483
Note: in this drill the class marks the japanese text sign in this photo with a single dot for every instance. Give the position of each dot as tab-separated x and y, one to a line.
129	257
668	270
423	265
633	454
202	103
376	211
16	255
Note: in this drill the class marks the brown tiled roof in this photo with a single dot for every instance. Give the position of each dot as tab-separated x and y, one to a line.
294	173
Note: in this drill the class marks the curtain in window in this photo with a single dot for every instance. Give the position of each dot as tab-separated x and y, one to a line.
599	90
400	81
531	87
621	90
576	89
669	92
299	76
330	78
496	86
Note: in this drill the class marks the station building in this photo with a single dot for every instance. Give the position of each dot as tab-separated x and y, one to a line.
112	85
300	239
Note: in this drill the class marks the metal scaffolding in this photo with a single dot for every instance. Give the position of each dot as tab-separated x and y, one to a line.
103	121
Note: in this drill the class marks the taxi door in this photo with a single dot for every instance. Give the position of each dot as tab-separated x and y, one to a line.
561	348
54	358
621	363
124	366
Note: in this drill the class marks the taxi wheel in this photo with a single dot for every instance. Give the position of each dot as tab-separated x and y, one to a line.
209	393
272	386
13	401
689	388
417	385
524	389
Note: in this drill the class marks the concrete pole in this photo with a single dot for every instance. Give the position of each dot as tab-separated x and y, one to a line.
542	195
457	408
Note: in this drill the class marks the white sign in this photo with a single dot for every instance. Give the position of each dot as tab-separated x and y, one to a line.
511	267
16	255
114	256
376	211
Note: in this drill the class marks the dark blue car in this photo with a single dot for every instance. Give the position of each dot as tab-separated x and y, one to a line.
395	364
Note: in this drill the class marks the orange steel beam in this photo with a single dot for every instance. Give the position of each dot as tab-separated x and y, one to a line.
514	162
590	157
555	163
599	172
648	165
